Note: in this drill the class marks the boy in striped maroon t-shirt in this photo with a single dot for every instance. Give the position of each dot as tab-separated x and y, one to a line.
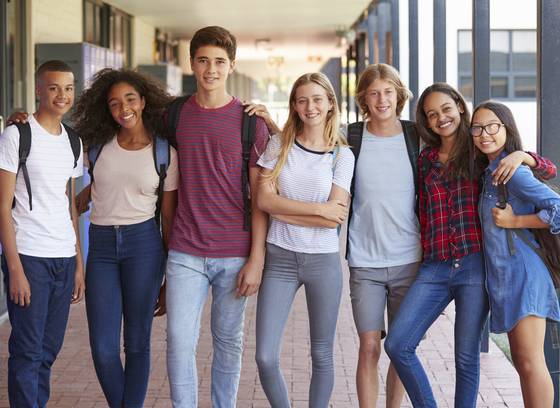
208	245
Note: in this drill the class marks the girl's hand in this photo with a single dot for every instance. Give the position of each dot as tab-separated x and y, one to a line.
334	210
504	218
507	166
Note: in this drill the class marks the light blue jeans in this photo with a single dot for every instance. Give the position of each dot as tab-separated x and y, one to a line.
438	283
189	278
284	273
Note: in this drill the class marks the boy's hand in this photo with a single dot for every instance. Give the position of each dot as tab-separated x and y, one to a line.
249	279
161	302
17	116
79	286
20	291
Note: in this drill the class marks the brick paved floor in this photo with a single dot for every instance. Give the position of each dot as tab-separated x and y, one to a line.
74	383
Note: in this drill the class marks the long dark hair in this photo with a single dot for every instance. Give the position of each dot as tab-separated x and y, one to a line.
458	165
513	137
92	119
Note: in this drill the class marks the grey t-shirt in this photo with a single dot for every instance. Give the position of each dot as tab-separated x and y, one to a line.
384	230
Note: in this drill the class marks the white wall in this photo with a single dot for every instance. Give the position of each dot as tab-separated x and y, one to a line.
143	43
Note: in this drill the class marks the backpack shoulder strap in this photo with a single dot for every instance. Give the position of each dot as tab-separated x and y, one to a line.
161	161
412	141
173	117
93	154
248	131
74	143
354	136
502	199
24	150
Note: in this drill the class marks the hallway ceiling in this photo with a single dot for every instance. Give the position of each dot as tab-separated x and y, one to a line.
302	32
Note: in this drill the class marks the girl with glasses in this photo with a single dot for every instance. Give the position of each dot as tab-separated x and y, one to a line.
453	267
520	289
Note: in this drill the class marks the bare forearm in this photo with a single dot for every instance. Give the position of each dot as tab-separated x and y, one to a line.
306	220
529	221
8	241
273	203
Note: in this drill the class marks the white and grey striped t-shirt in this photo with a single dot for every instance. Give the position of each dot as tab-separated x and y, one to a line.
306	176
47	231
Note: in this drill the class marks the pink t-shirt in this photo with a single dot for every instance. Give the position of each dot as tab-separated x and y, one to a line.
124	190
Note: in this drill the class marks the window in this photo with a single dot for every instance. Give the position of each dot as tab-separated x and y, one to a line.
513	64
108	27
167	49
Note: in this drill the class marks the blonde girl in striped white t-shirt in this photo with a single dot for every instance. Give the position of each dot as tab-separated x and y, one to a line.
305	184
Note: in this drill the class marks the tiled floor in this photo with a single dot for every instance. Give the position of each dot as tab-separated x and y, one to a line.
74	383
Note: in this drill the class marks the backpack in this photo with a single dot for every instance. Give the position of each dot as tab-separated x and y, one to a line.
162	157
248	132
25	148
549	243
412	141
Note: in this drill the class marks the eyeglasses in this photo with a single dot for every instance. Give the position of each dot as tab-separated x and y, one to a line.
491	129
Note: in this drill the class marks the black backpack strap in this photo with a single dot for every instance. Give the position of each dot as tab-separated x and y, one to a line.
354	136
24	150
412	141
74	143
173	117
93	154
502	199
76	149
162	156
248	130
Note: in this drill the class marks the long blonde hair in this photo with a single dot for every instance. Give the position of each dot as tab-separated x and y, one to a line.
294	125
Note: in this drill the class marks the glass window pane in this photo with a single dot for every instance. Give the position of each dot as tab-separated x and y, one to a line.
90	23
525	87
524	44
499	50
118	33
465	86
97	25
465	41
498	87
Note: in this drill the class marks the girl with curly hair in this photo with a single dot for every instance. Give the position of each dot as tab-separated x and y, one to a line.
122	112
305	183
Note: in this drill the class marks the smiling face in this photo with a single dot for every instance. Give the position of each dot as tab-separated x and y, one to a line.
211	67
381	99
126	105
312	104
491	145
55	91
443	114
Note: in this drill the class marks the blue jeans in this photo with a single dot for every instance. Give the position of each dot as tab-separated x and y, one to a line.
37	329
437	284
189	278
125	268
284	273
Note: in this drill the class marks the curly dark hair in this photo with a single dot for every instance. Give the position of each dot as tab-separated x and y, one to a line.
92	119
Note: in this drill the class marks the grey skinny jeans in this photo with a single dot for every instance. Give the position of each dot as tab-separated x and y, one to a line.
284	272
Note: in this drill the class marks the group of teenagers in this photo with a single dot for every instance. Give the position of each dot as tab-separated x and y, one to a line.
424	223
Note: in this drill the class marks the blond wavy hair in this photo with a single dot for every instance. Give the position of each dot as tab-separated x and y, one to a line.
386	73
294	125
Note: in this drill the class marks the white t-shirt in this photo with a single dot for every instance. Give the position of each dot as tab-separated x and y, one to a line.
306	176
384	230
124	190
47	230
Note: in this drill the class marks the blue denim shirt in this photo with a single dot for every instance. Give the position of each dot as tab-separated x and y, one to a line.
518	285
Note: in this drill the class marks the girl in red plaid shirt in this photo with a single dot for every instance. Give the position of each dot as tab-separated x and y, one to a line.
453	267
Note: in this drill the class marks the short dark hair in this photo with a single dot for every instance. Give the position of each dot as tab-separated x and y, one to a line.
52	66
216	36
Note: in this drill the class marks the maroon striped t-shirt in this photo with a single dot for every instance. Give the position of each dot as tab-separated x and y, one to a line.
209	218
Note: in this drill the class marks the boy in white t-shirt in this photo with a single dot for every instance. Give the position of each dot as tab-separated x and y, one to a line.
41	260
